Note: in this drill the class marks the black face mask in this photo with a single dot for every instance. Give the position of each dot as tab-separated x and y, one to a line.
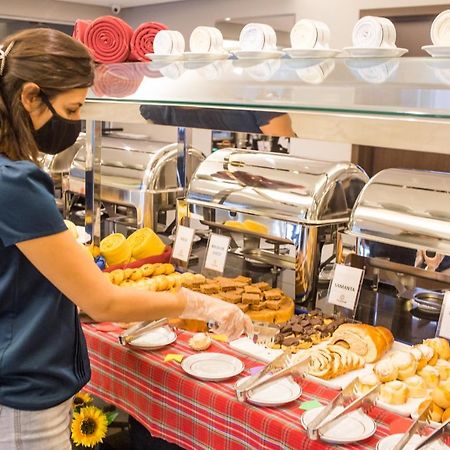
58	133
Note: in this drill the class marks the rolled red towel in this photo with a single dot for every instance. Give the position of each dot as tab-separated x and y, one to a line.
109	39
142	40
79	29
116	80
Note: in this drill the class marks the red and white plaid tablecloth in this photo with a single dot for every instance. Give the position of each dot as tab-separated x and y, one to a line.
196	414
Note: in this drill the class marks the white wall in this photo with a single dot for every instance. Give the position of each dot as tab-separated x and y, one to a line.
49	11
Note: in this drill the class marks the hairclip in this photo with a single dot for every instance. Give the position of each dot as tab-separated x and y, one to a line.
3	55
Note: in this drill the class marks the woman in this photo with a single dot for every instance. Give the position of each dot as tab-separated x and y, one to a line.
44	273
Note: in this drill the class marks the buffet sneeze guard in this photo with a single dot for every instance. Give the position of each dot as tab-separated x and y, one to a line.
278	209
401	222
137	173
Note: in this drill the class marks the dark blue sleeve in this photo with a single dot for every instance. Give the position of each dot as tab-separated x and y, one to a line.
27	206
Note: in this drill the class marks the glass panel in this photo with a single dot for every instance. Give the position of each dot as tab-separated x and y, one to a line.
408	87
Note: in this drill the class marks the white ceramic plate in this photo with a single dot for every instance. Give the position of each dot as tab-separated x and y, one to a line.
311	52
274	393
359	52
437	51
406	410
266	54
212	366
246	346
192	56
389	442
163	58
357	426
155	339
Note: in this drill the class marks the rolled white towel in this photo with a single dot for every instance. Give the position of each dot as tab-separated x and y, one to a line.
374	32
168	42
257	37
440	29
206	40
307	34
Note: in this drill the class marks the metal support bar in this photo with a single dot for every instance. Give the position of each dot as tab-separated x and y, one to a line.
93	179
184	139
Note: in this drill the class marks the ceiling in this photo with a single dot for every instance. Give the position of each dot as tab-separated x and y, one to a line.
121	3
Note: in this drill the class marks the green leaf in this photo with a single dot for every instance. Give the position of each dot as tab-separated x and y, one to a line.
111	416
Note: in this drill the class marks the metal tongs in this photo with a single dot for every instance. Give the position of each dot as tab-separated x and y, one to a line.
417	426
443	430
282	365
346	398
139	329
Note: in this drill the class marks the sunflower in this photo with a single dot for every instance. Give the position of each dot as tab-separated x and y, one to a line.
81	399
89	426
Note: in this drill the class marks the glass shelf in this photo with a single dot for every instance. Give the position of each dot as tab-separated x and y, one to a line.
401	103
399	87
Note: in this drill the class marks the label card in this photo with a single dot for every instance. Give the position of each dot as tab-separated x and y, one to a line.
443	328
183	243
345	286
216	254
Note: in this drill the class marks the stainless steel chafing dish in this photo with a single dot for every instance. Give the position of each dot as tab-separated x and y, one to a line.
136	173
301	203
402	224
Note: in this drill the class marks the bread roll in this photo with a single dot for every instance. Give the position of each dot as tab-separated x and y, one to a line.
387	335
394	392
405	363
443	366
418	356
416	386
367	382
428	353
430	375
386	370
364	340
440	345
441	396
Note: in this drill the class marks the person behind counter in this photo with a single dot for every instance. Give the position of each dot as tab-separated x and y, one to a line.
44	273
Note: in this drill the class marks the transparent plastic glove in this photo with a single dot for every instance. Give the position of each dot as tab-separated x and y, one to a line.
231	321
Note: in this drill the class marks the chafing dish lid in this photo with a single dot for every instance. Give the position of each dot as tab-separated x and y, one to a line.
277	186
409	208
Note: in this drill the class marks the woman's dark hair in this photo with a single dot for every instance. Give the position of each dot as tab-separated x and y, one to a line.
52	60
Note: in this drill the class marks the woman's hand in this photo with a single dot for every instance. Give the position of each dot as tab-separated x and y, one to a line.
230	320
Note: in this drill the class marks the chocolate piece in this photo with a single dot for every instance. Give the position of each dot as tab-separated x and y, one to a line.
290	341
297	328
286	329
305	323
278	339
316	321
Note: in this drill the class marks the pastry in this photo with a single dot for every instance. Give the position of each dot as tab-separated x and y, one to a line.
440	345
199	341
250	299
430	375
386	370
405	363
145	243
416	386
436	411
386	334
364	340
441	395
147	270
443	366
367	382
418	356
394	392
115	249
428	353
445	415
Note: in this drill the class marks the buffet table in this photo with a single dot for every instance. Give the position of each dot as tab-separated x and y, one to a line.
196	414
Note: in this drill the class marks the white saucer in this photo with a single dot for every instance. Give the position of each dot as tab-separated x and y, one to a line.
311	52
265	54
212	366
155	339
274	393
357	426
359	52
192	56
163	58
437	51
389	442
